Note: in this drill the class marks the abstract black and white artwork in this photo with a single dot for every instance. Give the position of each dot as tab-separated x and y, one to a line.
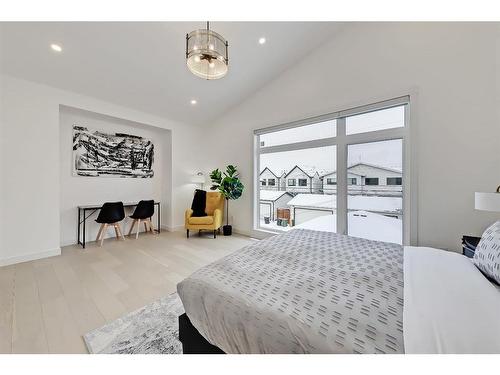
97	154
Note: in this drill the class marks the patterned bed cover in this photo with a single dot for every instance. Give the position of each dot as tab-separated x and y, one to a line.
303	291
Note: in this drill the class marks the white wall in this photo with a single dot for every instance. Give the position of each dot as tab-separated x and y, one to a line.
30	171
454	71
80	190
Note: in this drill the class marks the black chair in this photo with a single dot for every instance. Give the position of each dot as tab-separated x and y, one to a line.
144	211
110	215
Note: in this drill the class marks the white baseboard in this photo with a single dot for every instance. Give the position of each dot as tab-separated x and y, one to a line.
28	257
175	228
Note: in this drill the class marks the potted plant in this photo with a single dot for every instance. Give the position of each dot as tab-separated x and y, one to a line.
230	186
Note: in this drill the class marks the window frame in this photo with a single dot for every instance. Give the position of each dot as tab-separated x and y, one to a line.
291	179
269	182
341	141
299	180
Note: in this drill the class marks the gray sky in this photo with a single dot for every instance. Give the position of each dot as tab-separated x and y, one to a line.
386	153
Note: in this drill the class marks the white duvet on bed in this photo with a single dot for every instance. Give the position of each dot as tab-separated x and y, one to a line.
449	305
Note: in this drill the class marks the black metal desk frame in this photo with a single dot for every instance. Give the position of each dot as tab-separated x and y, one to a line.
93	209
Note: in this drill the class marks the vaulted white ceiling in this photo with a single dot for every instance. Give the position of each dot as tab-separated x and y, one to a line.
142	65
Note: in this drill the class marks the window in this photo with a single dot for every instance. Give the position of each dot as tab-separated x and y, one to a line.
376	211
271	182
331	181
322	130
394	181
371	181
299	206
263	182
362	154
375	120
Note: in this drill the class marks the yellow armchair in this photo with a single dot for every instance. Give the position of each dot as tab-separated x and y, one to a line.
213	221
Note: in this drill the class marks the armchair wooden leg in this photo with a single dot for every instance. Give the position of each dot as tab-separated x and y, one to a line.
116	231
215	233
187	233
151	227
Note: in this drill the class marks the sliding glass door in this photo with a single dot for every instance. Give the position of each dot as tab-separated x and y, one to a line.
344	172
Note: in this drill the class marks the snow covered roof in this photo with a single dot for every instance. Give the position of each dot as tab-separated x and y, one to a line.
354	202
363	163
313	200
375	166
309	171
274	174
272	195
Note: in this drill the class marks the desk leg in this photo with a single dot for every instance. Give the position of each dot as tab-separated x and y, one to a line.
84	220
78	227
159	220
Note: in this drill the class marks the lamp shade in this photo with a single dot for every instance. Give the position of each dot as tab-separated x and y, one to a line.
206	54
487	201
198	178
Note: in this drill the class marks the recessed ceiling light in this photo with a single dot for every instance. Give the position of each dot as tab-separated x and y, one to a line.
194	101
262	40
56	47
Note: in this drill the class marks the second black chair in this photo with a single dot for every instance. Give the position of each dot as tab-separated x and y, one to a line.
110	215
144	211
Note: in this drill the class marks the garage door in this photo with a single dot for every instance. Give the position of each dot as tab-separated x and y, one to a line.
304	214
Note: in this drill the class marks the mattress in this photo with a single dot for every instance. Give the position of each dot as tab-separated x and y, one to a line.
304	291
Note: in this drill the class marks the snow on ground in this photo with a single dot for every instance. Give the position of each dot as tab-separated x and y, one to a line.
362	224
354	202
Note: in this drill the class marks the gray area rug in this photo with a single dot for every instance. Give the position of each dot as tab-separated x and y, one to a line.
153	329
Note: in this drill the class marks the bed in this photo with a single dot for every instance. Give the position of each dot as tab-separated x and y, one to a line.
308	291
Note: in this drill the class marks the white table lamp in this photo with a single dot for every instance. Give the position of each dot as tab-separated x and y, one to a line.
488	201
198	178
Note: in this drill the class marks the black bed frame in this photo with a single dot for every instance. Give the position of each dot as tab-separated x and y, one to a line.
192	341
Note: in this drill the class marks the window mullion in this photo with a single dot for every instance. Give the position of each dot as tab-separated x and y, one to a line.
341	177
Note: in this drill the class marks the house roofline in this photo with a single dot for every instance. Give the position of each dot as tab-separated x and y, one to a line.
274	174
307	174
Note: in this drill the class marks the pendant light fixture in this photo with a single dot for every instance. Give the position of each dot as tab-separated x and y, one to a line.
206	53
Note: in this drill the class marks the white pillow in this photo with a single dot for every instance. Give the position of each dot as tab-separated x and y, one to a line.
487	254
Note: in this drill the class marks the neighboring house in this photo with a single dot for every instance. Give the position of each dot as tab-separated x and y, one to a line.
367	179
282	184
270	201
329	182
269	180
302	180
305	207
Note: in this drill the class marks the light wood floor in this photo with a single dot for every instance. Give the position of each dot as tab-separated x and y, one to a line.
47	305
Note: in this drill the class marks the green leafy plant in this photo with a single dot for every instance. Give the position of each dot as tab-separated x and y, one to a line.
228	184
